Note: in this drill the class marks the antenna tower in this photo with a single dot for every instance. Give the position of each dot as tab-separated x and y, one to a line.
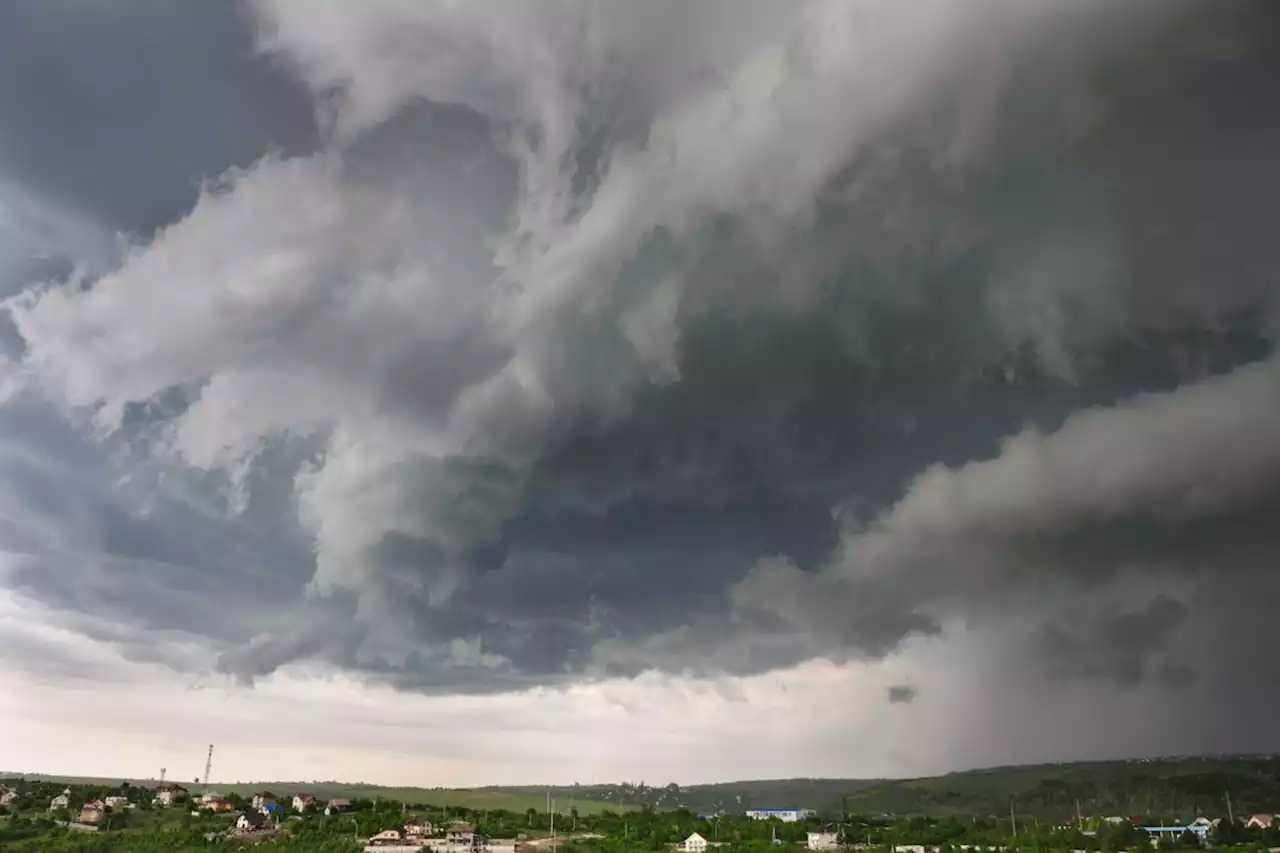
208	765
162	771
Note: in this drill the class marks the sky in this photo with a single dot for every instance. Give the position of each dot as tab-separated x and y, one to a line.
440	393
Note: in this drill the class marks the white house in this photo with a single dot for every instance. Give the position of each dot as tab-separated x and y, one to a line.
301	801
116	801
463	838
694	844
784	815
168	794
8	798
61	801
387	837
261	798
337	804
823	841
250	821
416	827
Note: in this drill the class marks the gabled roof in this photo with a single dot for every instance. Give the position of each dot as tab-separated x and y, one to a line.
463	827
252	817
695	835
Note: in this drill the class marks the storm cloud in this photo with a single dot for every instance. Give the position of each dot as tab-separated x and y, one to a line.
492	346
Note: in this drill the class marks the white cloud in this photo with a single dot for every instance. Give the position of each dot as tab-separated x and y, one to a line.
1203	450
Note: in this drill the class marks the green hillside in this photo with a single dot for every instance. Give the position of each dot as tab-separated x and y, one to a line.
1138	787
724	796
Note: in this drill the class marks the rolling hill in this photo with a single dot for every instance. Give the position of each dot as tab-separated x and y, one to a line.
1162	786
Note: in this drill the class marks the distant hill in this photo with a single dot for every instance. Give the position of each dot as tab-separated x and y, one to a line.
1149	787
722	796
1164	786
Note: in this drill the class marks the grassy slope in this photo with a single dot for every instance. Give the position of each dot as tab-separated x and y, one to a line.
1172	787
1180	786
726	796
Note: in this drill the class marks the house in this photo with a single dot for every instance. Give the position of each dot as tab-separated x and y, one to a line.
8	798
416	827
168	794
463	838
216	803
61	801
337	804
1261	821
261	798
272	810
823	841
385	838
694	844
784	815
92	812
1173	833
302	801
250	821
116	801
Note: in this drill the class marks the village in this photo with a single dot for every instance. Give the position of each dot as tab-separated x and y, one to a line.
390	826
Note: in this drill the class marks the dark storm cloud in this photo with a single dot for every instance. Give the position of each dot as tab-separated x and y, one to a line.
902	694
1116	646
122	108
578	349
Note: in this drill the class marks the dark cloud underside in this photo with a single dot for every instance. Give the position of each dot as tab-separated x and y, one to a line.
526	349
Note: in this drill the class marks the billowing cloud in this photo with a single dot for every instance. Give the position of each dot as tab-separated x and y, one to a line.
559	344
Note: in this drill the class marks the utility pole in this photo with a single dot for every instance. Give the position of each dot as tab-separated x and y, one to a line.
1013	820
1079	816
1230	814
553	828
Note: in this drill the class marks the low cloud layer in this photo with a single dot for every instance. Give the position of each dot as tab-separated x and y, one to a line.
492	350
